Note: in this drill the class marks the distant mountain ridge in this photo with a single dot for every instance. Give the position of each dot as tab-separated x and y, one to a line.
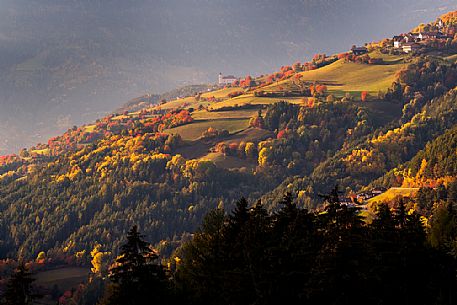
146	101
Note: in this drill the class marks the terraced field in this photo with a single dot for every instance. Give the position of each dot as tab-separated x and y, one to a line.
192	132
222	93
253	100
213	115
228	162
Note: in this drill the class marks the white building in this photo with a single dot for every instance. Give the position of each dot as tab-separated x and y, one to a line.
398	41
440	23
410	47
226	80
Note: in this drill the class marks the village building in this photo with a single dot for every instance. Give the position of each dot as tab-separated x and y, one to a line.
444	36
410	47
359	51
226	80
427	35
398	41
440	23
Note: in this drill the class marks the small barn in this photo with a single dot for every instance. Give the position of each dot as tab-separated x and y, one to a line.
359	51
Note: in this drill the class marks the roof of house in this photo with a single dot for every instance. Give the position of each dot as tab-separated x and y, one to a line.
430	33
229	77
411	44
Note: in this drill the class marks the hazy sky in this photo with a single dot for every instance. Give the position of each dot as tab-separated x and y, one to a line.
66	62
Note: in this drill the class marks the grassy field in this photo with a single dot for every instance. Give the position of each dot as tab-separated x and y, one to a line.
213	115
228	162
392	193
64	278
191	101
200	149
452	58
192	132
43	152
186	102
251	99
222	93
340	77
249	135
388	58
343	77
89	128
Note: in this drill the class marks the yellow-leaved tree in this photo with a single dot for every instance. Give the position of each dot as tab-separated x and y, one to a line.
41	257
99	260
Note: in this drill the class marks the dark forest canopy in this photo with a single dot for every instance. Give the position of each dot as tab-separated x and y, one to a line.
296	256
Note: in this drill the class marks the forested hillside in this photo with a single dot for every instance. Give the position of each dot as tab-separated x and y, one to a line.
383	118
303	129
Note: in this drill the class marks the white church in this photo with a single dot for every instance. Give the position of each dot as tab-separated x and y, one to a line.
226	80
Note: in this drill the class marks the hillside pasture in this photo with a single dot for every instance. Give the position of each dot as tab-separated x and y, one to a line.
228	162
89	128
65	278
193	131
393	193
41	152
221	93
198	149
213	115
250	99
388	59
187	102
249	135
341	77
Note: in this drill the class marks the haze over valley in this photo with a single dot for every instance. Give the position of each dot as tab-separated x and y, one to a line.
64	63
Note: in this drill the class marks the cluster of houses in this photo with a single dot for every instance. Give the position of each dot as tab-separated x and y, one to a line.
357	199
412	42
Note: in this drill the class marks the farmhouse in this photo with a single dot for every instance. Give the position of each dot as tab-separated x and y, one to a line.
428	35
359	51
440	23
226	80
398	40
410	47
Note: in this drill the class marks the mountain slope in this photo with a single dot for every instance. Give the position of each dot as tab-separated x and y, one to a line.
163	166
65	63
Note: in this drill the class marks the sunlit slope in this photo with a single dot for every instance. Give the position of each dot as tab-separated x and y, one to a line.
219	109
195	130
341	77
393	193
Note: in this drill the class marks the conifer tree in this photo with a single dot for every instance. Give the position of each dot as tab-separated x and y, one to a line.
137	276
19	290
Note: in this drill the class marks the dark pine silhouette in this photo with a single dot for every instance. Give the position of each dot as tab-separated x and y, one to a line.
136	275
296	256
19	290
